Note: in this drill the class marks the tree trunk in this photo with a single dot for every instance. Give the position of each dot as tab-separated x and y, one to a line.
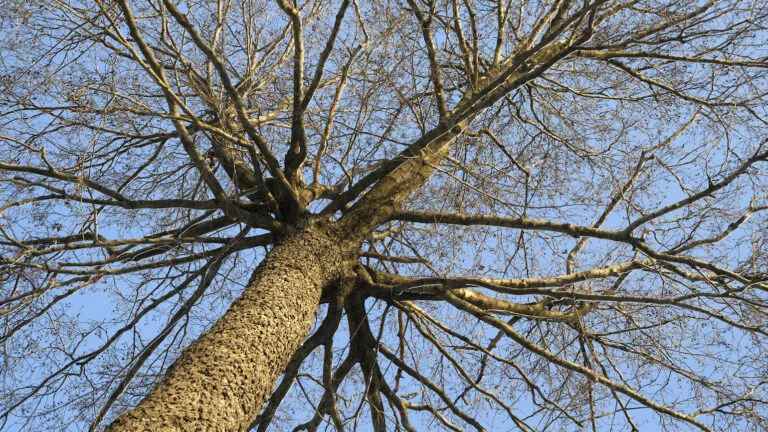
222	380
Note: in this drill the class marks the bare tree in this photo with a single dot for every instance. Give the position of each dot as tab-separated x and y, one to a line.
441	214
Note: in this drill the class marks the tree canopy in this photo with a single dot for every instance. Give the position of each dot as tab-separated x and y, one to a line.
552	214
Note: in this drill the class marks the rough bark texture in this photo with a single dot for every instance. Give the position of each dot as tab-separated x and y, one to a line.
384	198
221	382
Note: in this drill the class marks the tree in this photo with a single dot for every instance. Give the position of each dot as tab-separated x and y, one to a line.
452	215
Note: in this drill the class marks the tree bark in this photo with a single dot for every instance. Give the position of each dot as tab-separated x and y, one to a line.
222	380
